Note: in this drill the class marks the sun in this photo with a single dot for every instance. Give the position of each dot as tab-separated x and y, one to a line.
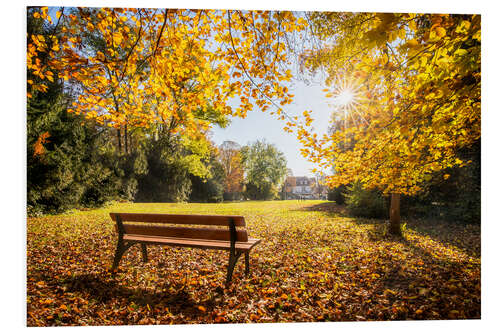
348	99
346	93
345	97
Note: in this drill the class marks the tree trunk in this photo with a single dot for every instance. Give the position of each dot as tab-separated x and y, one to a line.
119	136
130	142
395	216
126	139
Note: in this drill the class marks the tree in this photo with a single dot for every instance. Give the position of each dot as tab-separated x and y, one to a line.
172	161
230	159
319	187
288	183
151	67
265	168
413	95
68	162
164	73
211	189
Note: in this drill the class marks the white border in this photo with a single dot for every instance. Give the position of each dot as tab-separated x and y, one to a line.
13	138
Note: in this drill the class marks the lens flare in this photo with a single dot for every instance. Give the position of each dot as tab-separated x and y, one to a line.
345	97
349	95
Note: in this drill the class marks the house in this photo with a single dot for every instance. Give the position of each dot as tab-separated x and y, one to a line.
300	188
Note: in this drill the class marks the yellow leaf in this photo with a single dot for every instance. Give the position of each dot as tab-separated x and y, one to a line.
460	52
440	32
117	38
412	43
390	291
413	25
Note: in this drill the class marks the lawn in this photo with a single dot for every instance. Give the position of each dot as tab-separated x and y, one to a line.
315	263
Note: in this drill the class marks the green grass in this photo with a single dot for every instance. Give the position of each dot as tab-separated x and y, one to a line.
314	264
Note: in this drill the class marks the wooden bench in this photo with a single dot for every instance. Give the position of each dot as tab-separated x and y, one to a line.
223	233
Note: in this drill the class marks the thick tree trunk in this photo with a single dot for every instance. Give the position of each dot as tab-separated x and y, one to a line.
119	136
395	216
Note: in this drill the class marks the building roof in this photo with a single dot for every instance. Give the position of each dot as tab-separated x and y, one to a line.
298	181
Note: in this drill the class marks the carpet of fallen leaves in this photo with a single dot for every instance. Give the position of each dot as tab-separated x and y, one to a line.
315	263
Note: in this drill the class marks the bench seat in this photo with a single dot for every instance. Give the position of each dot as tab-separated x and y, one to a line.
191	242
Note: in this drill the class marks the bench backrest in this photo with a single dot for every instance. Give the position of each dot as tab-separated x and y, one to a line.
156	225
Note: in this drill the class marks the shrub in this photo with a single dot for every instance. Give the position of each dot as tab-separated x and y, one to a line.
211	189
261	191
454	198
337	194
206	190
365	203
233	196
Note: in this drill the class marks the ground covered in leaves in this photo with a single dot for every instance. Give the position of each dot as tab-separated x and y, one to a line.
314	264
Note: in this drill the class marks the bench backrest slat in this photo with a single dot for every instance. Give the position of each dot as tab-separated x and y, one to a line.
239	221
185	232
129	225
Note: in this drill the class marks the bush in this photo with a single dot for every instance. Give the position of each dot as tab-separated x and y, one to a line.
211	189
262	191
454	198
233	196
337	194
366	203
206	190
167	178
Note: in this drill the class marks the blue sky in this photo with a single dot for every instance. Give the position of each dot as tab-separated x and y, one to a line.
262	125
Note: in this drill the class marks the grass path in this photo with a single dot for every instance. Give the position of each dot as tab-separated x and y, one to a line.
314	264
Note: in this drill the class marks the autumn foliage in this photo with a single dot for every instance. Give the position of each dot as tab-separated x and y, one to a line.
416	79
142	67
38	148
231	160
314	264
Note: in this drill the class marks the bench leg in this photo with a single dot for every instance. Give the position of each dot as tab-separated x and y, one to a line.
247	263
121	248
118	255
233	258
144	253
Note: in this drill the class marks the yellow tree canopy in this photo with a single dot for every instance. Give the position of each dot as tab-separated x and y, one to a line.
409	87
143	66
